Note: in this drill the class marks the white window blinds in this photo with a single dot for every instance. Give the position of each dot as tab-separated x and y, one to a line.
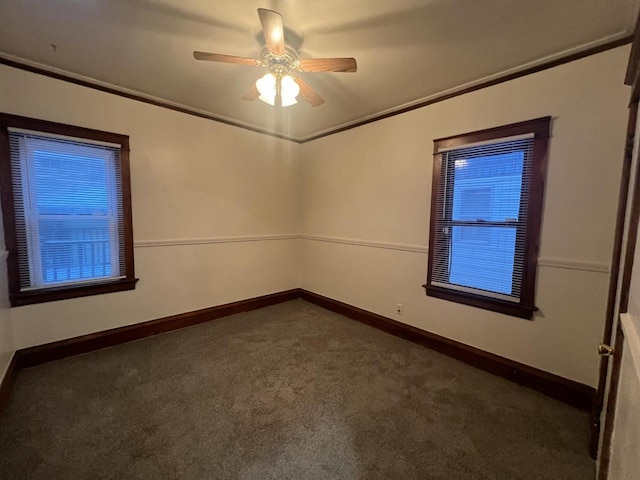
68	210
481	218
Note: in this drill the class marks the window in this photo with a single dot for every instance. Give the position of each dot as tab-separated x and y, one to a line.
66	206
486	209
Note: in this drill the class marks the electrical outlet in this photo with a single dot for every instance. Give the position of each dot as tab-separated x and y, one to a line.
399	309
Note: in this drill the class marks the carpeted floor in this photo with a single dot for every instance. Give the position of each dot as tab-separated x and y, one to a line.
287	392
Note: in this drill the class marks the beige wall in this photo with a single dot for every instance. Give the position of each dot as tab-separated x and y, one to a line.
360	199
192	179
366	204
7	346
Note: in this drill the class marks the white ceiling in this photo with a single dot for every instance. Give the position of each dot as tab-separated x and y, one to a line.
407	50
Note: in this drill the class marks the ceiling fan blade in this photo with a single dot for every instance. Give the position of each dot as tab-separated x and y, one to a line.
218	57
252	94
328	65
273	30
308	93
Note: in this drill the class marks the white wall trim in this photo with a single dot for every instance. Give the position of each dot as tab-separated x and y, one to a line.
403	247
573	265
3	254
632	337
365	243
211	240
543	262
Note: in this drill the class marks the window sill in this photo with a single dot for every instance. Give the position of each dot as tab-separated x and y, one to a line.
495	305
62	293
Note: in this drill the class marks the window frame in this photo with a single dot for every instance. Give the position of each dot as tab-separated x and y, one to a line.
47	294
525	308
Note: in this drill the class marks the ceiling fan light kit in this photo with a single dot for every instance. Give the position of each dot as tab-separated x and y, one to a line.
269	85
281	85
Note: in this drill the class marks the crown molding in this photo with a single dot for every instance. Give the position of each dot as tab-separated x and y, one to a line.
566	56
89	82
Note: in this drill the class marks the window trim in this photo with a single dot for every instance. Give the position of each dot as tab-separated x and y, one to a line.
540	128
18	298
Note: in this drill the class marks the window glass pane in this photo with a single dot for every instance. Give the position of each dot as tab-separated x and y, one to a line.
75	249
487	187
68	183
482	257
72	211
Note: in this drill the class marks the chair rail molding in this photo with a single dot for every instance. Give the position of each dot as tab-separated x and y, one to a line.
211	240
568	264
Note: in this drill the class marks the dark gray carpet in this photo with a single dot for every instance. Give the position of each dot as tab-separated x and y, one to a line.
287	392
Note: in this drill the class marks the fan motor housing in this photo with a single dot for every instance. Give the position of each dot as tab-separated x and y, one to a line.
280	64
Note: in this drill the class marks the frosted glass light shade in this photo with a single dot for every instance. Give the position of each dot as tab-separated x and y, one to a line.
267	88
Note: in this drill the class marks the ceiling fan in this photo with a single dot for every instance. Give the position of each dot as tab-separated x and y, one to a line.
281	85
